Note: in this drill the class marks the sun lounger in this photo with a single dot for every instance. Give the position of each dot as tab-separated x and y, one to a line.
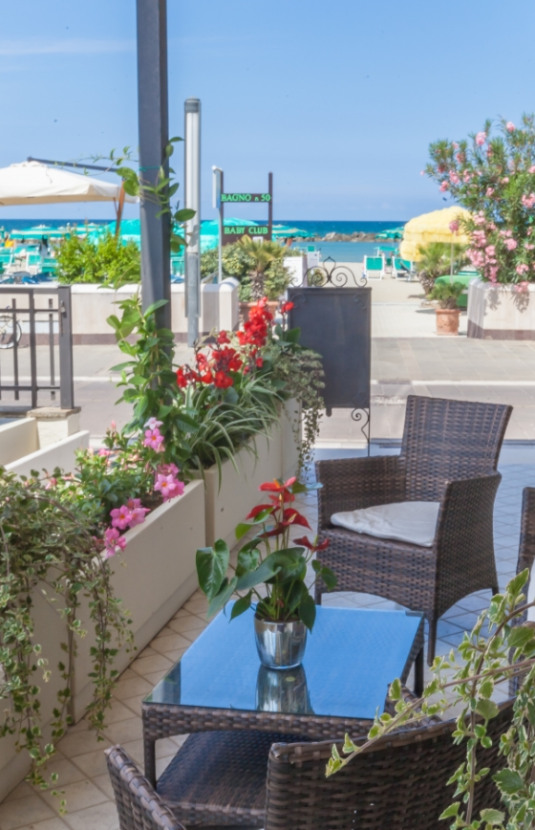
373	267
402	268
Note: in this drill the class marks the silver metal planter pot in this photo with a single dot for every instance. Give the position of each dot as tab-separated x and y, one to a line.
280	645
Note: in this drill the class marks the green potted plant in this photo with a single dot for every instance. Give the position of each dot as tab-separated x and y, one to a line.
272	570
447	312
267	276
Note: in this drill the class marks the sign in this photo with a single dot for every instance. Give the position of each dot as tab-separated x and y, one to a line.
235	232
246	197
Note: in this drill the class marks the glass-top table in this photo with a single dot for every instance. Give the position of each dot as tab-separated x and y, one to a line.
351	657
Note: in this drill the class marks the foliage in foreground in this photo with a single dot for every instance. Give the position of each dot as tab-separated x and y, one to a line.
468	680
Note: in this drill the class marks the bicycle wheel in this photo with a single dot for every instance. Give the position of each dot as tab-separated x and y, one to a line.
10	332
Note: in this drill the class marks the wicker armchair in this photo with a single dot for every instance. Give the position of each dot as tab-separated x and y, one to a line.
398	783
526	548
449	454
139	807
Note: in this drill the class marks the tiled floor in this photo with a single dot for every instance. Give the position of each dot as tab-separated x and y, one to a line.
80	759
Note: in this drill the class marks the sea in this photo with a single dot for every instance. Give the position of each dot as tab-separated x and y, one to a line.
338	251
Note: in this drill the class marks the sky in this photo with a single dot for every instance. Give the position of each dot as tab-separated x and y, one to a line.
340	100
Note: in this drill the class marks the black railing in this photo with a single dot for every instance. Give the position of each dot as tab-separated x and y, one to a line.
35	347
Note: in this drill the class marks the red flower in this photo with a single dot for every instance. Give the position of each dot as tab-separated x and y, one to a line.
222	381
276	486
287	306
306	543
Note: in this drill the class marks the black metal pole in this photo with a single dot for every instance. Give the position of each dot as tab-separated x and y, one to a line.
153	139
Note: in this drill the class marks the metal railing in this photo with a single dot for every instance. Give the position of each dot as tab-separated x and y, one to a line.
36	360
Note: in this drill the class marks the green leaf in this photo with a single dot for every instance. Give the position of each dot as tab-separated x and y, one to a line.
242	604
212	565
307	611
492	816
486	708
508	781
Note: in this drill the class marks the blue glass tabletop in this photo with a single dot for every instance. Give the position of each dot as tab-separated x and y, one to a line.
351	657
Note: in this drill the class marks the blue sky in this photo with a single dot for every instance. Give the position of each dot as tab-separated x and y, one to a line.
340	100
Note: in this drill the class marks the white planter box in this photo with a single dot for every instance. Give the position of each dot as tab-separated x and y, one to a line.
154	576
229	501
499	312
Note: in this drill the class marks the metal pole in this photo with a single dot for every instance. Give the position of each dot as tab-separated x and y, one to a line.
153	140
192	200
216	202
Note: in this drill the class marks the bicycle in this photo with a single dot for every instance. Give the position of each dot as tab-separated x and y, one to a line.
10	332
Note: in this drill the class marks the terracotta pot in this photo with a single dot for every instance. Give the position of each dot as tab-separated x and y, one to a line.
448	320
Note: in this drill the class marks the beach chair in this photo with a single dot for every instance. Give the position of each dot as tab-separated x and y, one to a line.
374	267
402	268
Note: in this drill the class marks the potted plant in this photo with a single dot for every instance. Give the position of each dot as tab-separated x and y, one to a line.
272	570
266	277
447	313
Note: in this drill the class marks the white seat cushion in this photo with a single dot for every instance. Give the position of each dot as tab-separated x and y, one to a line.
405	521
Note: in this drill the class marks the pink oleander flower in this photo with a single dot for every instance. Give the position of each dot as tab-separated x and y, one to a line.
528	201
522	287
121	517
522	268
532	169
510	244
444	186
489	191
154	439
454	178
454	226
481	138
510	127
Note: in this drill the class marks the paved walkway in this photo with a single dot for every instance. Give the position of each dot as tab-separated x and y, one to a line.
407	356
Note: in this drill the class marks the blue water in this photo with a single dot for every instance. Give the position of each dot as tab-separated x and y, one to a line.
339	251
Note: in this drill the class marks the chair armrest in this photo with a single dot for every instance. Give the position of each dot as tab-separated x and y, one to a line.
353	483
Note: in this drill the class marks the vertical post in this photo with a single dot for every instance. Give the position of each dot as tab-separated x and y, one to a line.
270	206
66	372
217	190
153	140
192	200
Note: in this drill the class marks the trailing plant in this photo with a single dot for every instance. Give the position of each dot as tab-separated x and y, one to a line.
500	649
48	549
493	176
298	373
270	559
106	260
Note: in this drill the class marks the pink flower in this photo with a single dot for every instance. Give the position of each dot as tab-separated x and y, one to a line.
522	287
121	517
510	244
168	469
481	138
153	423
510	127
168	486
444	186
489	191
528	201
454	178
522	269
532	169
113	542
454	226
154	439
137	515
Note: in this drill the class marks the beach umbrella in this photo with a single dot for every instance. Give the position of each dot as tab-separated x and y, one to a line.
31	182
38	231
432	227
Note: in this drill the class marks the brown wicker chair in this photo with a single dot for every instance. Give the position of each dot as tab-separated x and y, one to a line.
399	783
139	807
449	454
526	548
